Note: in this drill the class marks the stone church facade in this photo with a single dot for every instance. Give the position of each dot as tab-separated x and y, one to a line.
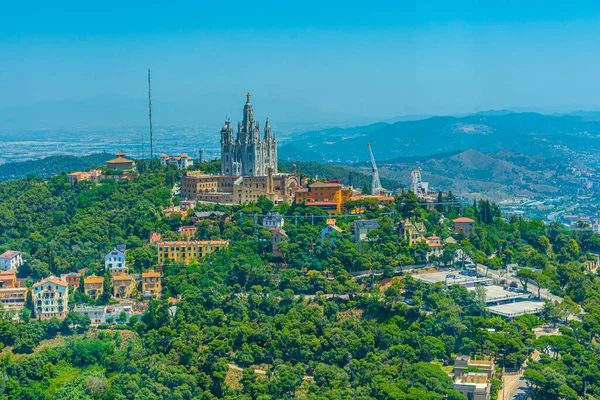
248	154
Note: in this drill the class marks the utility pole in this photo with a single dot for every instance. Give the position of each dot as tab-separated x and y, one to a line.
150	115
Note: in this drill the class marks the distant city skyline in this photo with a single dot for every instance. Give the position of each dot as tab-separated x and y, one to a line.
320	62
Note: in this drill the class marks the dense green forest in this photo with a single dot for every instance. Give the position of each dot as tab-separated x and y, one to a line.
51	166
252	326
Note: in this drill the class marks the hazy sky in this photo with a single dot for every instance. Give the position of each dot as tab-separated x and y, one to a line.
368	59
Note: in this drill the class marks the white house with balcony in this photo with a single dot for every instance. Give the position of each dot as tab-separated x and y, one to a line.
51	298
114	261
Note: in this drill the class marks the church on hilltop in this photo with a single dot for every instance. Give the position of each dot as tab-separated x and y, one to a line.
248	154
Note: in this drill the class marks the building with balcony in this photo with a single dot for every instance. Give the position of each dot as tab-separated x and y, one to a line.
95	314
93	286
151	284
187	250
13	296
123	285
51	298
181	162
114	261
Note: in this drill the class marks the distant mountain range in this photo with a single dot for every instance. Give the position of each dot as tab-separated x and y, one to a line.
529	133
476	174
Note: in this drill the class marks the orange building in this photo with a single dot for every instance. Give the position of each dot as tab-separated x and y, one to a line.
188	232
8	279
464	225
72	278
325	195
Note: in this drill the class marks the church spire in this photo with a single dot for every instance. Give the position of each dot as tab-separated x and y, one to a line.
268	132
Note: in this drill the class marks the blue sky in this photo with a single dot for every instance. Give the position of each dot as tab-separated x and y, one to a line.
371	60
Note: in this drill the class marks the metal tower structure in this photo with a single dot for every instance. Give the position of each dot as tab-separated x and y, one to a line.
376	183
150	114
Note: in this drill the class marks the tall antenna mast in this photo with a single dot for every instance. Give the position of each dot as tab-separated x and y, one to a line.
150	113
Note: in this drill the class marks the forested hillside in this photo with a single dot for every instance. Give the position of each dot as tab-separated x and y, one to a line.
51	166
244	324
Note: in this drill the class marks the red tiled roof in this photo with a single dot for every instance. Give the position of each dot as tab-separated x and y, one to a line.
463	219
10	254
187	242
52	279
433	238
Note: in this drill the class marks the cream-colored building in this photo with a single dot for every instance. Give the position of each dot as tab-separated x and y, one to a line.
13	296
473	385
277	187
187	250
51	298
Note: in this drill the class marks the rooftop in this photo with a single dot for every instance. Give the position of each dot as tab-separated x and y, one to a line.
123	277
367	223
10	254
334	227
93	279
189	242
326	184
151	274
52	279
463	219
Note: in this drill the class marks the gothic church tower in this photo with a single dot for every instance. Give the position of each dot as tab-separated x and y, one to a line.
248	154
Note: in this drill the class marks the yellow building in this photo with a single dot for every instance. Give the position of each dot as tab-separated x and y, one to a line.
325	195
412	231
151	285
188	250
123	285
93	286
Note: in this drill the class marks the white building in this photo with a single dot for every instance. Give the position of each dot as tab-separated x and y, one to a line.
51	298
182	162
273	220
115	261
11	260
